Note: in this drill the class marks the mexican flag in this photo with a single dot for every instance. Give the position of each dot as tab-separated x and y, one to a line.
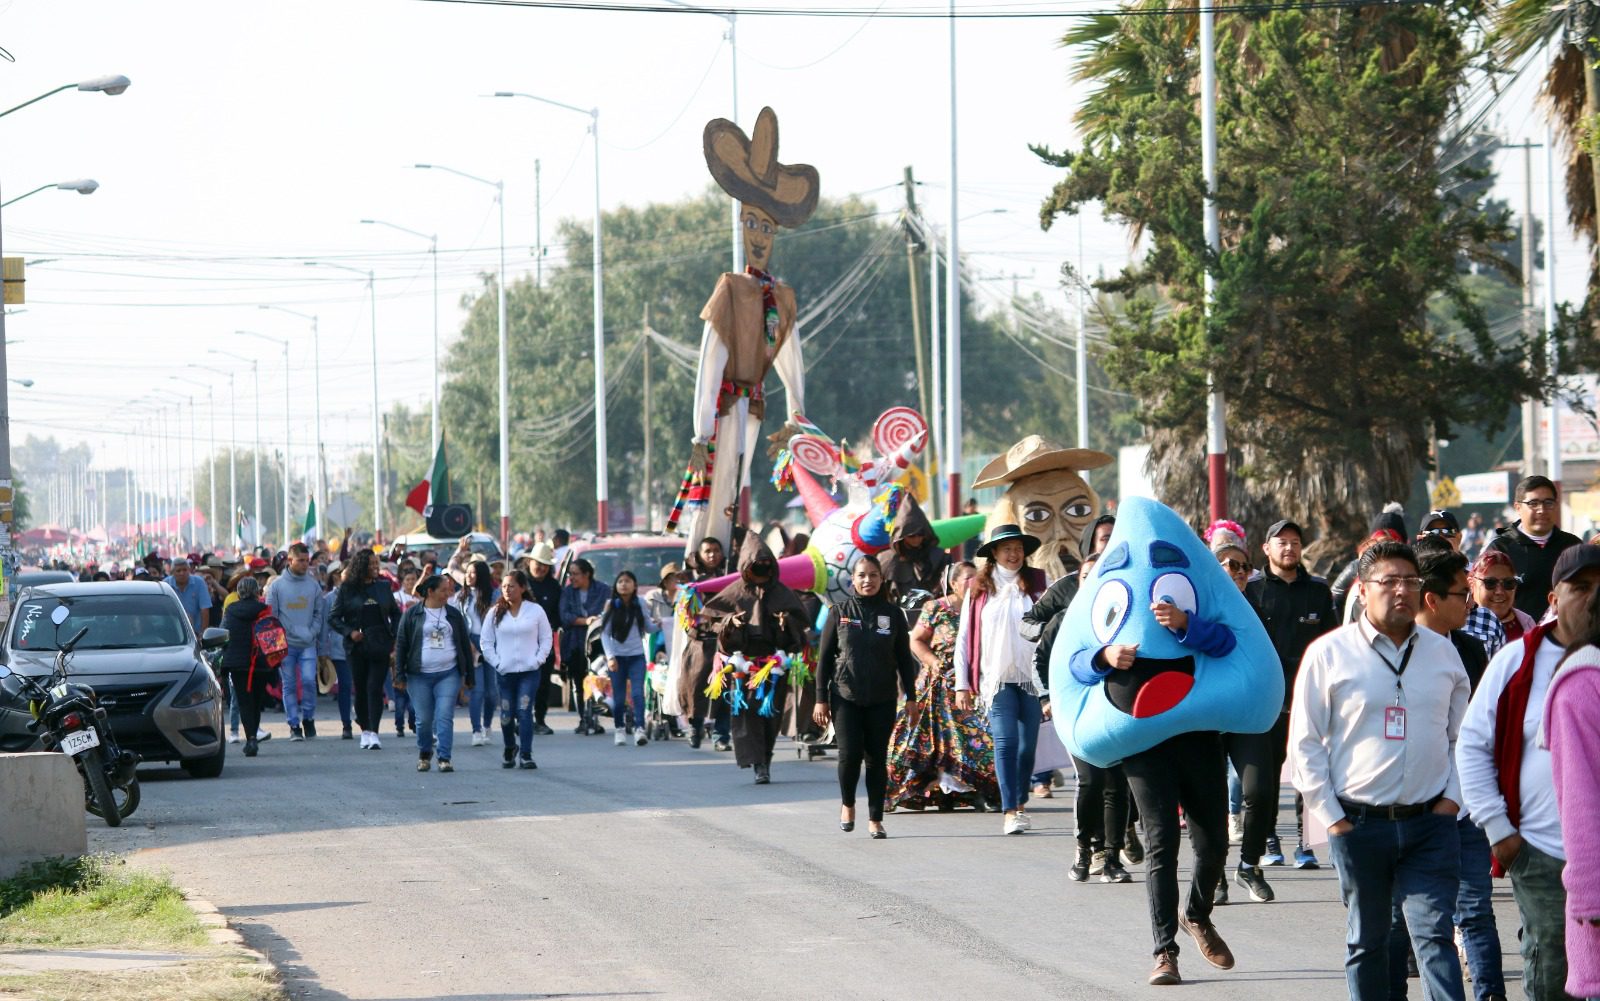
308	531
436	488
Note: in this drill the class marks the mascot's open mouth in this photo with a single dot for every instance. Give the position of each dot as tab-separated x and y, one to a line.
1152	686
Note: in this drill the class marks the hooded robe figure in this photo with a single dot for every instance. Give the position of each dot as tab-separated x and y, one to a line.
908	568
757	616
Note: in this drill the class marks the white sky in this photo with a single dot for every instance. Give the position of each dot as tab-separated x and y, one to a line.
262	131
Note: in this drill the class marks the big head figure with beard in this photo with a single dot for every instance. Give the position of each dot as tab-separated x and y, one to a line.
1047	497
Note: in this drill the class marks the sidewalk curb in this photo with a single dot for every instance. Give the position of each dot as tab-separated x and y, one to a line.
218	930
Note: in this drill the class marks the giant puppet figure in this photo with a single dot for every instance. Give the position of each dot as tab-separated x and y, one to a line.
1047	497
751	327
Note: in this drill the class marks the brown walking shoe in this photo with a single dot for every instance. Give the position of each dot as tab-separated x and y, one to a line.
1166	972
1212	948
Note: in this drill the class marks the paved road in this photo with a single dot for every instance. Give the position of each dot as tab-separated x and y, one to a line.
663	872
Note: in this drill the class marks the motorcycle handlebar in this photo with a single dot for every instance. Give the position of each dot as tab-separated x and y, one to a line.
68	646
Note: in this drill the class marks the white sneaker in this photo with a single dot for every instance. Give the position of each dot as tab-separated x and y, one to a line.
621	738
478	739
1024	821
262	734
376	744
640	739
1235	829
366	739
233	738
1013	825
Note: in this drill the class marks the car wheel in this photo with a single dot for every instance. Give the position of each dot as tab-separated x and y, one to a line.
206	768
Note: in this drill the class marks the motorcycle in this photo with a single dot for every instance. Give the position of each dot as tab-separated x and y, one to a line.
68	717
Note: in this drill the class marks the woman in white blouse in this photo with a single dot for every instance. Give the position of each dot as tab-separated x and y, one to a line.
994	660
516	641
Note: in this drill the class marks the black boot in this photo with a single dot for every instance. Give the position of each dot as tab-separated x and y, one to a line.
1079	873
763	774
697	733
250	747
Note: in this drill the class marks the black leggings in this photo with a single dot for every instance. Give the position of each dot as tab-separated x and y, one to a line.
541	698
862	733
1101	806
369	672
251	694
1258	759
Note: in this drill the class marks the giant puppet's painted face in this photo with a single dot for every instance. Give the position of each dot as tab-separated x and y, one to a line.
759	233
1054	506
1171	689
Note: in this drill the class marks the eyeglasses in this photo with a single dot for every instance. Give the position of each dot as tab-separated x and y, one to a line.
1542	504
1458	594
1448	532
1499	583
1397	583
1234	566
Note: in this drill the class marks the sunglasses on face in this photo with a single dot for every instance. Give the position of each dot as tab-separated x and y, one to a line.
1499	583
1235	566
1448	533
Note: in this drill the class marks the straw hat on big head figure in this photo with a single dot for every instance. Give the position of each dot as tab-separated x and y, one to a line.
1047	497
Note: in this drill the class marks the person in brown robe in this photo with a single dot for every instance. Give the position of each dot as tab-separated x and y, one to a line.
699	657
757	616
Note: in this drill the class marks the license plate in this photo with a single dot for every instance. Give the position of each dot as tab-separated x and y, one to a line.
79	741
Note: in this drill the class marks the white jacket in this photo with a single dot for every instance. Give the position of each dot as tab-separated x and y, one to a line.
517	643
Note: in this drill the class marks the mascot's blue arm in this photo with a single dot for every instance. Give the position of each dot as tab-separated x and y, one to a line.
1082	666
1208	637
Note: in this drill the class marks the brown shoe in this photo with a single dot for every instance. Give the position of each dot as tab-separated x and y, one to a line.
1212	948
1166	972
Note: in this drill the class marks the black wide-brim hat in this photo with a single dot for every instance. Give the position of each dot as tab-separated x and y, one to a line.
1030	544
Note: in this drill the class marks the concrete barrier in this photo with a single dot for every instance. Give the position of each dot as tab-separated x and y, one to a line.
41	810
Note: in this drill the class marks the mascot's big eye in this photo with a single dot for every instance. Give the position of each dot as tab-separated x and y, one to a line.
1076	509
1110	609
1036	514
1174	588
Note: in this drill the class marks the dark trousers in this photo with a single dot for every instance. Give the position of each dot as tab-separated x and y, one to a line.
1101	807
1258	758
369	671
1474	918
1185	771
862	733
1280	746
541	698
754	734
251	695
1542	902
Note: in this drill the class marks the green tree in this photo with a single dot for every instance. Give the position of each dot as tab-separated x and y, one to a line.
1341	228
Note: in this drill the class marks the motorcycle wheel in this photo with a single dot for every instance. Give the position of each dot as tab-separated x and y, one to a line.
99	801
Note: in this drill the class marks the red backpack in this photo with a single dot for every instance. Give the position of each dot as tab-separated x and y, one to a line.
268	641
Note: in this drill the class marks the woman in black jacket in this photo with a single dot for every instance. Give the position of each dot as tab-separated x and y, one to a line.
866	655
248	679
366	615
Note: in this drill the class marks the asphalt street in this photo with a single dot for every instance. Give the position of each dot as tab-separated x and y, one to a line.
663	872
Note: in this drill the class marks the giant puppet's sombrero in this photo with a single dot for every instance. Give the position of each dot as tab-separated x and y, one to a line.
1035	455
748	169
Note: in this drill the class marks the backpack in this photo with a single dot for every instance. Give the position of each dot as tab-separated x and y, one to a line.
268	640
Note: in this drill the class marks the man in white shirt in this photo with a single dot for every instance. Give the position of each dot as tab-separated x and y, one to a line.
1506	773
1377	707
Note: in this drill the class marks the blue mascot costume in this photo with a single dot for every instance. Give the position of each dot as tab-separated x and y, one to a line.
1158	654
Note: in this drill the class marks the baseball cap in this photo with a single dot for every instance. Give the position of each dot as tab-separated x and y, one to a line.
1447	517
1574	560
1282	525
257	563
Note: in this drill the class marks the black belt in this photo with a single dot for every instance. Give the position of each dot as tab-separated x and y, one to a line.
1359	811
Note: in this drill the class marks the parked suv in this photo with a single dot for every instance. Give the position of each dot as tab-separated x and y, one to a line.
645	553
142	659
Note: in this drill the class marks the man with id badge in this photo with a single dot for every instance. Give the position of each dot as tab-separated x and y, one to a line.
1507	777
1377	707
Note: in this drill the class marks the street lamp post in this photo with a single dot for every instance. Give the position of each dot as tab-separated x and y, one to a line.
255	376
316	375
233	446
601	489
505	380
433	251
83	186
287	447
377	480
211	453
111	85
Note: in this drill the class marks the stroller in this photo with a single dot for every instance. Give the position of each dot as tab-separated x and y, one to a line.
592	695
658	725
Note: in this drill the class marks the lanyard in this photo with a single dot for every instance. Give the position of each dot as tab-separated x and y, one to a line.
1405	659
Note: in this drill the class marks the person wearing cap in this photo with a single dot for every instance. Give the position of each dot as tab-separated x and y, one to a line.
1535	542
995	660
1506	775
662	601
544	591
1377	707
1296	608
433	659
192	591
1444	525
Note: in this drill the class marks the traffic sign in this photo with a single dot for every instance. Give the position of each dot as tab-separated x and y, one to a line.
1445	494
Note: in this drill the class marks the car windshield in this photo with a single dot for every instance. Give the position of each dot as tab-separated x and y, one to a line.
115	622
645	561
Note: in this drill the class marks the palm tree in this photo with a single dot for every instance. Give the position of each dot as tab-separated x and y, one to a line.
1571	87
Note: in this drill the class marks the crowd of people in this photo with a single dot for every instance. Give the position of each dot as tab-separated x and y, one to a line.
1440	723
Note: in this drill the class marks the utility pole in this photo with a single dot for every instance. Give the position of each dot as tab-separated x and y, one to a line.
538	231
1530	406
913	244
1216	408
1082	367
649	483
383	480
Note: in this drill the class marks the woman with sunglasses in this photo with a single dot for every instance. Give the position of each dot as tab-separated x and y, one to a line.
1495	618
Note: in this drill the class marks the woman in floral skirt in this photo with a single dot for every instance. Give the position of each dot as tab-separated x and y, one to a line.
946	759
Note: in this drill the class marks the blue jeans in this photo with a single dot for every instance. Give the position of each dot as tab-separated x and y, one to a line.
1474	916
434	695
298	673
1417	863
341	669
517	692
485	695
629	674
1014	717
403	708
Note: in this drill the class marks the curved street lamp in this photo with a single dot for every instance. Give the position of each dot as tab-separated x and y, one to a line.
83	186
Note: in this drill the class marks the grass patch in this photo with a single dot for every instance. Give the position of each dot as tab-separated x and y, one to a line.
95	901
205	980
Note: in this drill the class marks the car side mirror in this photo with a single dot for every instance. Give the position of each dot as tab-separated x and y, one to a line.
213	639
